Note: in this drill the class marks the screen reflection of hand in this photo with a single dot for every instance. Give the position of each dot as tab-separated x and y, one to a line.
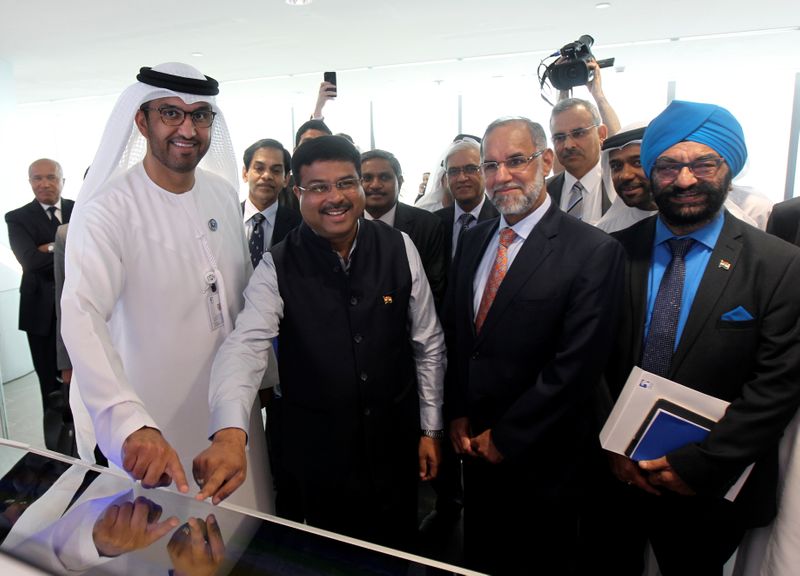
196	548
130	526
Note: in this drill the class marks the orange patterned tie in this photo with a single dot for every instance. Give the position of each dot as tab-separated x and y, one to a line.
496	276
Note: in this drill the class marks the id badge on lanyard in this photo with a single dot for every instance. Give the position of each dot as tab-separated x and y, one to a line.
214	304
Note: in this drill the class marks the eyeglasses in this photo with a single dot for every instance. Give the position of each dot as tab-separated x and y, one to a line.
343	185
173	116
513	164
577	134
702	168
468	170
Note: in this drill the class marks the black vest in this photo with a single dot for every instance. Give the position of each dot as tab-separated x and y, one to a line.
346	366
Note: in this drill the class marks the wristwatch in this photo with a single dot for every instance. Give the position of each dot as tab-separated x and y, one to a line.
51	247
435	434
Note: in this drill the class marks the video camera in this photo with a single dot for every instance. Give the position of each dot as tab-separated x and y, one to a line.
572	69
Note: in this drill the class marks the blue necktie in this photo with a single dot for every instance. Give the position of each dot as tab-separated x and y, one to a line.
660	344
257	239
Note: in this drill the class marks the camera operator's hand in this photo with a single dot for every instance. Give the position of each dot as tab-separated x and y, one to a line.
595	86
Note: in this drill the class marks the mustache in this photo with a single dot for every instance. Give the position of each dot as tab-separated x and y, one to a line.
328	206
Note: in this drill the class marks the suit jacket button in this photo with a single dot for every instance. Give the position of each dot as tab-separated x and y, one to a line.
363	376
357	338
353	301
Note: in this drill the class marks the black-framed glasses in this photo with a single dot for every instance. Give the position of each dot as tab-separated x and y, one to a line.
174	116
513	164
343	185
577	134
468	170
702	168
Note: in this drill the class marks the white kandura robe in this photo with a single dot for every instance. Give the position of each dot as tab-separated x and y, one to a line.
136	319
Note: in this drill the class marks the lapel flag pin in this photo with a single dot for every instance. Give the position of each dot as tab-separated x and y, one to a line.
387	300
724	264
212	225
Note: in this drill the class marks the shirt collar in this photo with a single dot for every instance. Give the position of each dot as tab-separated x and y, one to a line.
590	180
387	218
45	207
475	211
707	235
269	212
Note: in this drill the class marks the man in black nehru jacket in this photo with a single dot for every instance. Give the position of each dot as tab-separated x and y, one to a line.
361	357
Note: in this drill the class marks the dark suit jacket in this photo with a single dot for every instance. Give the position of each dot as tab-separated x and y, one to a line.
425	230
530	373
754	364
448	216
555	186
784	222
28	228
286	220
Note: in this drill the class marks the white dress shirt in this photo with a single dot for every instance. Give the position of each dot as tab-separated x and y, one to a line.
523	228
268	225
592	183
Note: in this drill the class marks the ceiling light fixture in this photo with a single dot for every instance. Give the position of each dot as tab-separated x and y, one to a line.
197	54
298	2
602	5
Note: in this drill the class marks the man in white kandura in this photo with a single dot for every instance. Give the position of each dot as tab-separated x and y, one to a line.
155	270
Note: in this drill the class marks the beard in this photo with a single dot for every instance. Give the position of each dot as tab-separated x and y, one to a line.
712	197
522	203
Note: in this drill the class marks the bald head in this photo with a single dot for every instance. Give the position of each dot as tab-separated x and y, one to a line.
46	179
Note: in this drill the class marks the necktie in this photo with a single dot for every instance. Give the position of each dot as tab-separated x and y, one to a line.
257	239
575	203
466	221
53	218
660	343
496	276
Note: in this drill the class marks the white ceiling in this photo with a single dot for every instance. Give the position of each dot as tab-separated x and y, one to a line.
60	49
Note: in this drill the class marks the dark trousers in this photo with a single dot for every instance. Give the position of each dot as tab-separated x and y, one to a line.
690	535
57	417
447	484
43	354
517	524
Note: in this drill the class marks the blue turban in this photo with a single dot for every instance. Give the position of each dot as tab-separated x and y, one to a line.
694	122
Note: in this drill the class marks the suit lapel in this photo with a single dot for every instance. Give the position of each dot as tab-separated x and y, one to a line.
554	188
605	200
712	285
531	255
641	254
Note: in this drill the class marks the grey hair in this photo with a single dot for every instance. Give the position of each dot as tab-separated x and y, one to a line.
535	130
570	103
457	146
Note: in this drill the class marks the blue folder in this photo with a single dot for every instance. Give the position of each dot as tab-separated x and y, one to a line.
667	427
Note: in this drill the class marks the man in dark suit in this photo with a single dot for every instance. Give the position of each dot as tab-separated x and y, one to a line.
578	133
266	166
784	222
526	350
382	177
31	234
465	181
711	303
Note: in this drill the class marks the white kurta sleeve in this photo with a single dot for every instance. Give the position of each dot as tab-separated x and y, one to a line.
242	359
427	343
94	279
